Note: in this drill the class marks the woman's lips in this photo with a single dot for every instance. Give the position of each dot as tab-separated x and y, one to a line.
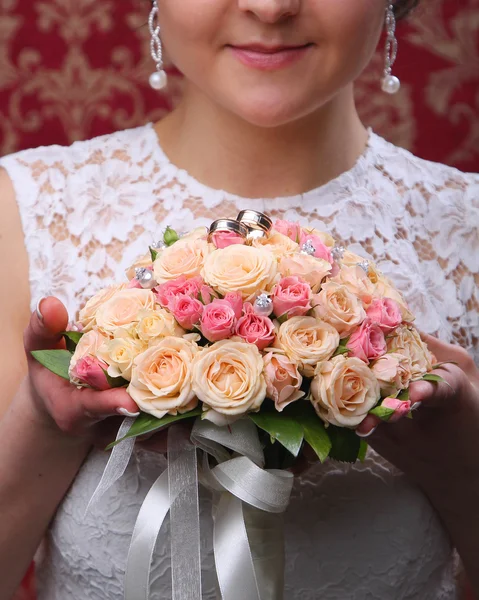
269	59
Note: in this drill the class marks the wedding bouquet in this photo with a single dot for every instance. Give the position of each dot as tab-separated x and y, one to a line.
250	324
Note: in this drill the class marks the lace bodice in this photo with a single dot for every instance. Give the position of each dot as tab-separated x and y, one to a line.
359	532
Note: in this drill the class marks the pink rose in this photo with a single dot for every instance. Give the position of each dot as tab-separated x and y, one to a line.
386	313
367	342
187	311
166	292
207	294
218	320
255	329
400	407
89	370
223	239
283	380
291	297
289	229
235	300
321	250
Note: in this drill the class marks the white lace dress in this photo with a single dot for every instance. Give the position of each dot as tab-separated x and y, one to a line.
353	532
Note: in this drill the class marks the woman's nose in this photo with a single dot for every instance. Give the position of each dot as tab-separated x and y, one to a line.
270	11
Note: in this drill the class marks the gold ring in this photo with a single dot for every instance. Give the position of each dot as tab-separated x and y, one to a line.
255	220
227	225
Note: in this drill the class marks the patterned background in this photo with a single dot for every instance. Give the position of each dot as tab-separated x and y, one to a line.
74	69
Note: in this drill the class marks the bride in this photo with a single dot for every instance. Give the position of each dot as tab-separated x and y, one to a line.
267	122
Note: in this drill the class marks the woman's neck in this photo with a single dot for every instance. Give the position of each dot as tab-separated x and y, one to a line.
223	151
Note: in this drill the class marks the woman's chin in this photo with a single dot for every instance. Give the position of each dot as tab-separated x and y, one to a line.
265	113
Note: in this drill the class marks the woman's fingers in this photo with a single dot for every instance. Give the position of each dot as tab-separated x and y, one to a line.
46	325
440	394
450	352
368	426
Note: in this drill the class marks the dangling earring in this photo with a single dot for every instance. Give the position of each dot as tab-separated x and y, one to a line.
158	79
390	83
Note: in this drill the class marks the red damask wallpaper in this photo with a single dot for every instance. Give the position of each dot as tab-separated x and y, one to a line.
74	69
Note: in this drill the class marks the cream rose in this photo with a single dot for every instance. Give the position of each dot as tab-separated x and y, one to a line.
88	345
283	380
357	282
242	269
155	324
87	316
144	262
119	355
339	307
228	378
311	269
198	233
123	309
277	243
343	391
185	257
406	341
161	378
307	341
393	372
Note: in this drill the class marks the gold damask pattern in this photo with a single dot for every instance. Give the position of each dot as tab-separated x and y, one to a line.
74	69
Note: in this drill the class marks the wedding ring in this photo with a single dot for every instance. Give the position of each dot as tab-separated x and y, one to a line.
229	226
255	220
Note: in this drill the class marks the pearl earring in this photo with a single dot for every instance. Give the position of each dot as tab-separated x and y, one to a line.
158	79
390	83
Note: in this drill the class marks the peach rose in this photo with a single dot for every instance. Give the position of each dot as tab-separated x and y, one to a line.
88	345
406	341
386	313
89	371
339	307
357	282
393	371
343	391
385	289
144	262
198	233
241	269
307	341
401	408
185	257
367	342
277	243
289	229
161	378
313	270
283	380
155	324
119	355
228	379
87	316
123	309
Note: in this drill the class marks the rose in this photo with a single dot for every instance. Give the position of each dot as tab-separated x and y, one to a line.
406	341
88	345
401	408
167	292
283	380
357	282
228	378
339	307
320	249
242	269
218	320
235	300
198	233
144	262
223	239
90	371
291	296
367	342
185	257
325	238
385	289
87	316
312	270
123	309
386	313
289	229
155	324
119	355
393	371
187	311
277	243
161	378
306	341
255	329
343	391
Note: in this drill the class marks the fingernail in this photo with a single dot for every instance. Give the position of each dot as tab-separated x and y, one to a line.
126	413
37	309
416	405
365	435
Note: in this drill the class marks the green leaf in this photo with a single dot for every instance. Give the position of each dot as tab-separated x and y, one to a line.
345	444
314	430
286	430
115	382
72	338
445	362
154	254
148	423
403	396
434	378
341	350
56	361
170	236
363	449
382	412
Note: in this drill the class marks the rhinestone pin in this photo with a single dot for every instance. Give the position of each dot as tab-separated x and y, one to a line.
308	248
145	278
364	266
338	252
263	305
160	245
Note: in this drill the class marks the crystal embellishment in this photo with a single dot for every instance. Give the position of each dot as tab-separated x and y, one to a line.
308	248
158	245
145	278
364	266
263	305
338	252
